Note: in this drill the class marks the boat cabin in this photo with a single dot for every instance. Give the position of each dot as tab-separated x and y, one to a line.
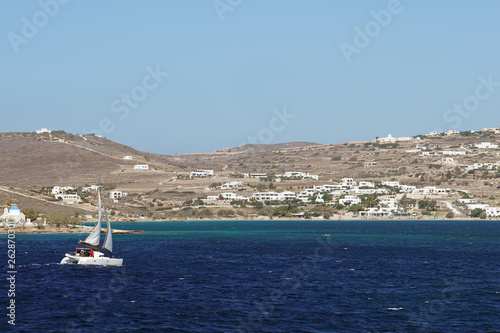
84	252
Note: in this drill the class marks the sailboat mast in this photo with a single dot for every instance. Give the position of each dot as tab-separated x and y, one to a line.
93	240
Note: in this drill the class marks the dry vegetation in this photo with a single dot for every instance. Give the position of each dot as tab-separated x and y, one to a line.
32	161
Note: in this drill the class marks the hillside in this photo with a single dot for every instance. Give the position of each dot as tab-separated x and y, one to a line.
33	161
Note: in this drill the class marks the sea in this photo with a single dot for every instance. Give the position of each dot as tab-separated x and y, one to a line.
264	276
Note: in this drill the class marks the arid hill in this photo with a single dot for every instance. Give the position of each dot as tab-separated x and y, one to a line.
33	161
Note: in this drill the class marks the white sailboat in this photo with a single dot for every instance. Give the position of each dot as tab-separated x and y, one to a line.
91	254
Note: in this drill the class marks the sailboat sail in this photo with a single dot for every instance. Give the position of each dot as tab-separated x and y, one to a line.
94	238
108	241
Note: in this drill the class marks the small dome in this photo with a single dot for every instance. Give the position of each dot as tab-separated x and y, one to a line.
14	208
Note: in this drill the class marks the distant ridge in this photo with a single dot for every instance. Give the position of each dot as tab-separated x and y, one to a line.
271	147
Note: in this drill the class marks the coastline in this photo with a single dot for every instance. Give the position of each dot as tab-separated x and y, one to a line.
58	229
54	229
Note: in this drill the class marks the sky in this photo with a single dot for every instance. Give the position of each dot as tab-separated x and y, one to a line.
180	76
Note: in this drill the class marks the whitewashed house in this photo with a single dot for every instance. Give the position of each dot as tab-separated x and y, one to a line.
348	182
486	145
390	183
201	173
270	196
389	204
453	152
141	167
350	200
128	158
298	174
232	196
477	206
69	198
61	189
90	188
468	201
115	195
258	175
432	190
407	188
493	211
43	130
429	153
433	133
391	139
231	185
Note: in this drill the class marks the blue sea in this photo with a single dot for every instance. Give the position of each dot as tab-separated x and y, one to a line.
265	276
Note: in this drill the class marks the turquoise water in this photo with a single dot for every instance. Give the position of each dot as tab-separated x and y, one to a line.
268	276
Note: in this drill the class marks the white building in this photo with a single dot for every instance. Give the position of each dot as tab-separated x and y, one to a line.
298	174
201	173
493	211
357	190
350	200
349	182
231	185
128	158
141	167
407	188
61	189
467	201
453	152
69	198
429	153
374	212
432	190
451	132
370	164
12	215
43	130
491	130
270	196
92	187
232	196
390	183
258	175
478	206
389	204
288	195
115	195
366	184
391	139
486	145
433	133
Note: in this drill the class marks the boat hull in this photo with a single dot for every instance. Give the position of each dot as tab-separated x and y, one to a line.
96	260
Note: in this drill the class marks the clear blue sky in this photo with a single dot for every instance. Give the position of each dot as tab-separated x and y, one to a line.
225	77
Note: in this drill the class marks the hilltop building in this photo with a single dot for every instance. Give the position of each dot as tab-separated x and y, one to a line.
391	139
43	130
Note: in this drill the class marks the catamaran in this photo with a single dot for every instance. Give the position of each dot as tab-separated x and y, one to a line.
91	254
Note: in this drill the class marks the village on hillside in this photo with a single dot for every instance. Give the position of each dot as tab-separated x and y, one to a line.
432	176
